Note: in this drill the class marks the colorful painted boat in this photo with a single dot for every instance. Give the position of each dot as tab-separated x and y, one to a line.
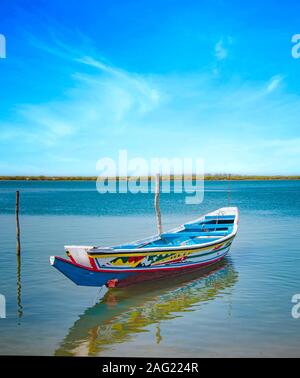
191	246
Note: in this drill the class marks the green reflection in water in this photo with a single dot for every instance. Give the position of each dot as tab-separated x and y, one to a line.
122	313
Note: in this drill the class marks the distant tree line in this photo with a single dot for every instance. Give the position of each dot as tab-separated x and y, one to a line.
208	177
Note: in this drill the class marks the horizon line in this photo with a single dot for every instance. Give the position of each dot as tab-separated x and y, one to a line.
207	176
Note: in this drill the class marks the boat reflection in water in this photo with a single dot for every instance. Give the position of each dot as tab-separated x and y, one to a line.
122	313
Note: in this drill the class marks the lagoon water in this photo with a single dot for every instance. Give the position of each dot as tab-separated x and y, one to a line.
241	307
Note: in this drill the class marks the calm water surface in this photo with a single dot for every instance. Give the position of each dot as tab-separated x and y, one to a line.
241	307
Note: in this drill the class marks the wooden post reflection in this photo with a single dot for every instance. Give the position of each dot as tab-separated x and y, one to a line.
19	288
158	335
18	224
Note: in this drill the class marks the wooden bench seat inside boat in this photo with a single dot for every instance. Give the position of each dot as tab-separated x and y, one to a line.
197	226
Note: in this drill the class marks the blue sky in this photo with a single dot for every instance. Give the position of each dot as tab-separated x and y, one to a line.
202	79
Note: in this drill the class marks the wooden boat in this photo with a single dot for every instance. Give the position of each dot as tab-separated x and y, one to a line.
191	246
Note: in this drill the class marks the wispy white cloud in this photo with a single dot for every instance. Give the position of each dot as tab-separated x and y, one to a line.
97	103
274	83
196	114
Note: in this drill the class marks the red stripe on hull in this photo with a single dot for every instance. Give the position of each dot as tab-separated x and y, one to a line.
72	259
93	264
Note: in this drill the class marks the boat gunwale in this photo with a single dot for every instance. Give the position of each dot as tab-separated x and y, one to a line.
98	252
140	251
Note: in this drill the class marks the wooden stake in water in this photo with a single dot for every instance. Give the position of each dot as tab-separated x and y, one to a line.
156	203
18	224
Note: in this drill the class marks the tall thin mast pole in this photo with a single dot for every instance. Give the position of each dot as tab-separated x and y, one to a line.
228	190
156	203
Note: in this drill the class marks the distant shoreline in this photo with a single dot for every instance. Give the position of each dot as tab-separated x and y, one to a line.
208	177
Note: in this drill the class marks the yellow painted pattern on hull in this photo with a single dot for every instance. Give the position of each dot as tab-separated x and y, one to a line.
131	264
171	258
